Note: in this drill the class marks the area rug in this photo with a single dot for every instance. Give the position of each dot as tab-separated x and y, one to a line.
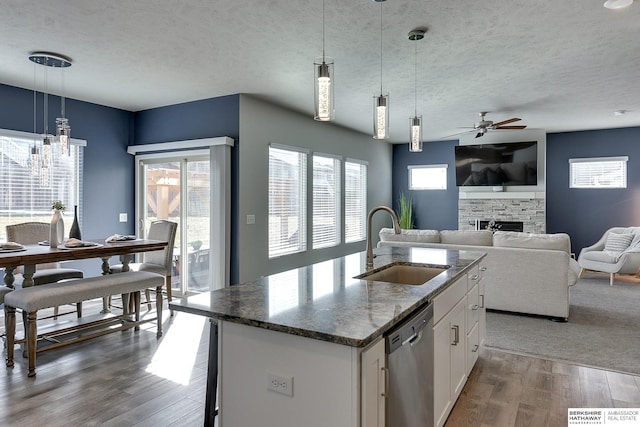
603	330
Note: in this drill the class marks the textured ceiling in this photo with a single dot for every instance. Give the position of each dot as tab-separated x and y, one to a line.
558	65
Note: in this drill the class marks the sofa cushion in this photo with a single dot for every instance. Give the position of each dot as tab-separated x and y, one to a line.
422	236
617	242
515	239
466	237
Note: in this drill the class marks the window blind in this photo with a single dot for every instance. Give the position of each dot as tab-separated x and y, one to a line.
598	172
326	201
287	201
25	196
355	201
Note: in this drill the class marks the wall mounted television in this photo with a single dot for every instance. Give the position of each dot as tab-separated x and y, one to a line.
504	164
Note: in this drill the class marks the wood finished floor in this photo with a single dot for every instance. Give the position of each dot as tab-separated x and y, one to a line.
132	379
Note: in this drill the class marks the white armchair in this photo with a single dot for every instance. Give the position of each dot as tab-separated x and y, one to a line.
618	254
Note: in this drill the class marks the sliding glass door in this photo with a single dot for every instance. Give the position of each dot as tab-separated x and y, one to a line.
177	188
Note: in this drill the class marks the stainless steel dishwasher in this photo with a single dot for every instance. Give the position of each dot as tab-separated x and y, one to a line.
409	349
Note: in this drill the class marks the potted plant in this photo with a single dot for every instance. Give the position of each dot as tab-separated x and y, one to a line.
196	244
405	216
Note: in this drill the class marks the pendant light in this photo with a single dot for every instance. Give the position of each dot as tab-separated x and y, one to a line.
63	130
48	59
35	151
381	101
323	84
415	122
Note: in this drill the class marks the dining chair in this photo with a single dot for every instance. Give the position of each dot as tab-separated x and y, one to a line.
30	233
159	262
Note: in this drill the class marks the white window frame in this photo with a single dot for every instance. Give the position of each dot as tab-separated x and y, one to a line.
320	236
418	186
594	168
275	248
360	212
18	148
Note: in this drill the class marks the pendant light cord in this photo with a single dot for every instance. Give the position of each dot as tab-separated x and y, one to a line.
380	48
415	94
322	30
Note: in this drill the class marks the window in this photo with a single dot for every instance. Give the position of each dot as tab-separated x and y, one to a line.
598	172
287	201
355	201
326	201
24	196
428	177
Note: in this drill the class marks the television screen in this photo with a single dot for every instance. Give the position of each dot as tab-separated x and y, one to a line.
513	163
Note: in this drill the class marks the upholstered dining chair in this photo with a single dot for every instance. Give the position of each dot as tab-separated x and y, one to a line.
159	262
28	233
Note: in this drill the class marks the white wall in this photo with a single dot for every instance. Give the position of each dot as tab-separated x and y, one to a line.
262	123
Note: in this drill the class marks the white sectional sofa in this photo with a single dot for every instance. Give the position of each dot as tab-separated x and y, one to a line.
526	273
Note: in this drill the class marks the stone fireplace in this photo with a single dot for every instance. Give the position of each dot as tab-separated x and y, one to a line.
531	212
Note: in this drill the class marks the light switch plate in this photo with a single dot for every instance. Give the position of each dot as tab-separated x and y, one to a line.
123	217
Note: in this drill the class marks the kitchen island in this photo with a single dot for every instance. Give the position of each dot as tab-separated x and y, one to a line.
305	332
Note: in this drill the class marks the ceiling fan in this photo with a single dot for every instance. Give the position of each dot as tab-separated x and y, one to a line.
485	125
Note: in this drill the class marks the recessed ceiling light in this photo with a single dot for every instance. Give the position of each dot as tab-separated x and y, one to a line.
617	4
619	112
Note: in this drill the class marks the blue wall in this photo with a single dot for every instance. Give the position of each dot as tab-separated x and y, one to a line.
207	118
582	213
586	213
433	209
108	169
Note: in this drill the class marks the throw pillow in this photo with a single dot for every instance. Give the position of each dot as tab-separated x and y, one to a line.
617	242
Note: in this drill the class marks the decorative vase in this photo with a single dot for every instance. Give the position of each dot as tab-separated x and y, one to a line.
75	228
56	232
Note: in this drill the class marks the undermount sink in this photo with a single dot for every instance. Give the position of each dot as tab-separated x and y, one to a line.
404	273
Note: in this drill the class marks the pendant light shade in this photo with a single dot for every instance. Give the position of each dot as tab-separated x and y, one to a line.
415	122
415	137
323	84
381	100
323	94
381	116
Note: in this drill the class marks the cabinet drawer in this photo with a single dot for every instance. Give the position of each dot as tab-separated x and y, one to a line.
444	302
473	308
473	276
473	348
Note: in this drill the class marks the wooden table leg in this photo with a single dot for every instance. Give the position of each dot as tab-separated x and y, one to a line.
8	277
27	275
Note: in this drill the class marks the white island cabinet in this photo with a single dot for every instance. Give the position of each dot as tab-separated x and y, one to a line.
306	347
458	325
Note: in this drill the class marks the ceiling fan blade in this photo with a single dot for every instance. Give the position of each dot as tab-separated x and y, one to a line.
479	134
504	122
512	127
456	134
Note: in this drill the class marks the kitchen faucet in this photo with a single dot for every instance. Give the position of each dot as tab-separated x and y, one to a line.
396	229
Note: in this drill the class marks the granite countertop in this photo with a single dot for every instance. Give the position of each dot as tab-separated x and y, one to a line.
323	301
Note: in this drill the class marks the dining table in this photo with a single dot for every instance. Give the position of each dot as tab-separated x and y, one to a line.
29	256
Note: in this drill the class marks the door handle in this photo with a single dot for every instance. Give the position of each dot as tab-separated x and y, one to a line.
385	374
475	348
474	307
483	268
474	277
456	335
482	303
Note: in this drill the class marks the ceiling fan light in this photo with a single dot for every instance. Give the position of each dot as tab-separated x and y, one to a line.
617	4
